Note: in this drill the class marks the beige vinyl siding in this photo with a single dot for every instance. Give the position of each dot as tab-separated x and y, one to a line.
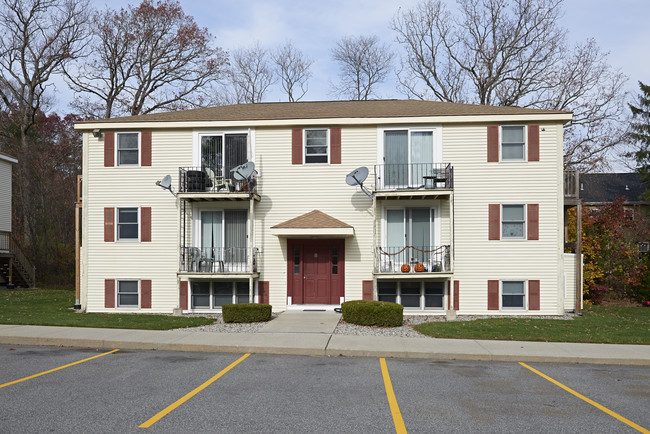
477	184
291	190
134	186
5	196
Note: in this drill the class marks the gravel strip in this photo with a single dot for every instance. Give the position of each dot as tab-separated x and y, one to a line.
405	330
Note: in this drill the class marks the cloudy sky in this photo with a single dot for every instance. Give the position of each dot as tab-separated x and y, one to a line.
620	27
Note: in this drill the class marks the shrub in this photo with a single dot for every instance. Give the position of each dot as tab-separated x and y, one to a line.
373	313
246	312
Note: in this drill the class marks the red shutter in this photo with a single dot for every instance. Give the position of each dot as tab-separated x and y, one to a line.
533	295
493	143
145	148
449	294
296	146
109	226
494	223
109	293
533	221
263	292
335	146
145	294
533	142
367	289
145	217
456	294
109	149
183	302
493	295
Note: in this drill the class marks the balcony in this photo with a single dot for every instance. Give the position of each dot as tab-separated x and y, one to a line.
571	187
217	260
412	261
205	182
414	176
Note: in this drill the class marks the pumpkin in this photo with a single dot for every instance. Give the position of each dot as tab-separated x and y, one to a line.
406	268
419	267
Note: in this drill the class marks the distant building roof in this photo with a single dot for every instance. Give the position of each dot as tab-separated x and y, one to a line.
597	188
327	110
8	158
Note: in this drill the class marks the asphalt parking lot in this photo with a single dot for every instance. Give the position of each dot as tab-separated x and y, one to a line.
128	391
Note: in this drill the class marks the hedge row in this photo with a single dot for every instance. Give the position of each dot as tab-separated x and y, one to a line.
246	312
373	313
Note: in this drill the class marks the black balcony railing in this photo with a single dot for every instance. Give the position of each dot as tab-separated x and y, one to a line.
426	176
216	260
414	259
206	179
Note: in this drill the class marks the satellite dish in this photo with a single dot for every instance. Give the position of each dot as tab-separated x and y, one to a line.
166	181
244	171
356	177
166	184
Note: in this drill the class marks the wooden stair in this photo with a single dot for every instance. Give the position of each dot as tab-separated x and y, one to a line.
14	264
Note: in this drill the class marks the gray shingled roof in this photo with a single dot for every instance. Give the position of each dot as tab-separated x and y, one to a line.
598	188
327	110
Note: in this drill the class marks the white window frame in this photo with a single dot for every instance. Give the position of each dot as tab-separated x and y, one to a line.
437	140
435	207
525	145
117	294
398	295
212	306
304	145
117	225
117	149
525	223
196	142
524	300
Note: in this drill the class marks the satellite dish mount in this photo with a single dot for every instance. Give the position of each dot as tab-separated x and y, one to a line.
166	184
356	177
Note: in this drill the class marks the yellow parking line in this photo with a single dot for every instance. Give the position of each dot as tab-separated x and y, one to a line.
584	398
176	404
392	401
56	369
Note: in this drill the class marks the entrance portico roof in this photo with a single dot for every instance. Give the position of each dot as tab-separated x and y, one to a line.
313	224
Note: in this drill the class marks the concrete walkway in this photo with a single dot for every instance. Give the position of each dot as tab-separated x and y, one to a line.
311	334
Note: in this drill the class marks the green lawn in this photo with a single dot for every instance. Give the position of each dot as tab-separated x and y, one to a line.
599	324
51	307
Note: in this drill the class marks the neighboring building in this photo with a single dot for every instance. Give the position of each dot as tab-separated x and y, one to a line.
15	268
467	198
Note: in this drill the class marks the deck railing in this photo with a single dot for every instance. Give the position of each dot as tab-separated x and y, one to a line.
206	179
10	245
216	259
571	184
427	176
419	259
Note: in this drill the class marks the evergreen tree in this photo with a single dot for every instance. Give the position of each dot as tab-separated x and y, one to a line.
640	135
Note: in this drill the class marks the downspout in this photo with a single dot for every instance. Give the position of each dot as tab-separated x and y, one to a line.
578	308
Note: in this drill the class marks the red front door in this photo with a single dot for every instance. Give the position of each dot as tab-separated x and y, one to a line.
315	271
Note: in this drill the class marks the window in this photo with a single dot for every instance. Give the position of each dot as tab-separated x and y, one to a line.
513	221
316	146
512	295
223	240
409	238
220	153
128	149
408	157
512	143
127	224
412	294
211	295
127	293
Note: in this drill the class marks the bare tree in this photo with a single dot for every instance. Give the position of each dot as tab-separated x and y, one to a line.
147	58
364	62
37	39
293	69
250	74
513	52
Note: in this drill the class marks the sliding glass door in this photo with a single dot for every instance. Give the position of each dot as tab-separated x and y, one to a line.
220	153
408	157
